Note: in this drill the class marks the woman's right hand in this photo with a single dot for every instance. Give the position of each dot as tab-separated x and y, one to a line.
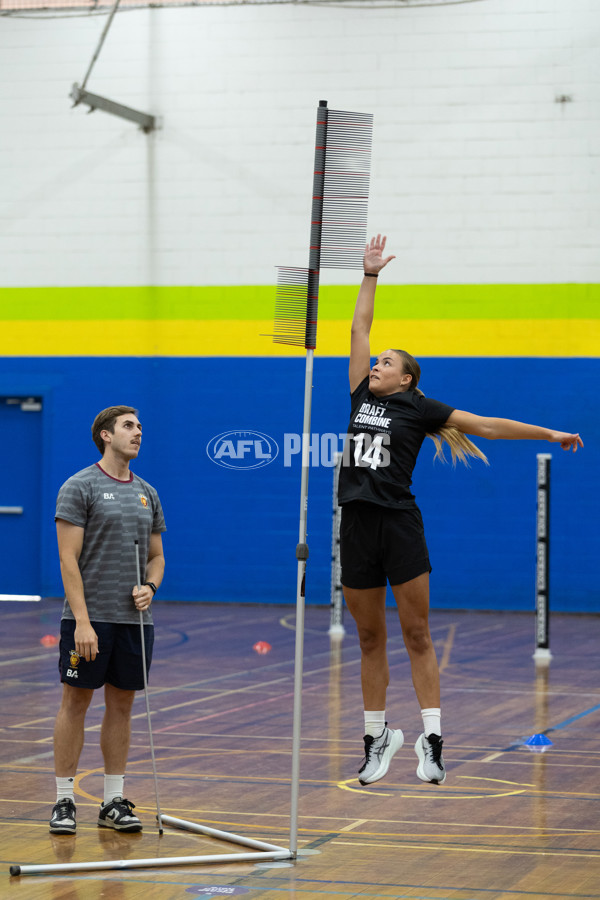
567	441
373	260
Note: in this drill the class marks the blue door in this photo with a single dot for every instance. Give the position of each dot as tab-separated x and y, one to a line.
20	486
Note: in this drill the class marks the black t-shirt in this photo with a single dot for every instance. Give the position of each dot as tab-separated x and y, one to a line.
384	438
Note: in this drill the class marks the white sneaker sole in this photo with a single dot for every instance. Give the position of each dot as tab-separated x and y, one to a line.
63	829
131	828
420	768
396	742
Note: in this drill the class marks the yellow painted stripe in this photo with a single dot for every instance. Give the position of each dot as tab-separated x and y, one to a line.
449	337
416	301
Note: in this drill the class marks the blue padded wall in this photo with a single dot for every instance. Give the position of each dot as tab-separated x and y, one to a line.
232	533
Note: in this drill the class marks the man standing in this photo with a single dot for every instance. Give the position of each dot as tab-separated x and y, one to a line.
100	513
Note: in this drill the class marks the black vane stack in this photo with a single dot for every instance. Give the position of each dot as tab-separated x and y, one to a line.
338	234
338	228
296	303
346	189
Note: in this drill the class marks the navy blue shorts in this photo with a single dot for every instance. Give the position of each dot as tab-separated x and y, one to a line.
379	544
118	661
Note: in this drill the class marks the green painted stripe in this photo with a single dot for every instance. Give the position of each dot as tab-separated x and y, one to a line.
247	302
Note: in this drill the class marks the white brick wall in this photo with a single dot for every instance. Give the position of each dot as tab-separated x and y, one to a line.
478	174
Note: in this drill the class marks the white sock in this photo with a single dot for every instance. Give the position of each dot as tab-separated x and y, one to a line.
374	722
65	789
113	787
432	721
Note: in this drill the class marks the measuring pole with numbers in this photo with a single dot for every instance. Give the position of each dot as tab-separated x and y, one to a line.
542	577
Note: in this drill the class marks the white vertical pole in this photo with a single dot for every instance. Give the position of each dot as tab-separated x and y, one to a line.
143	642
301	556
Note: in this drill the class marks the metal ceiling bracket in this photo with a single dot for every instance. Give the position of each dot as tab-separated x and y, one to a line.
145	121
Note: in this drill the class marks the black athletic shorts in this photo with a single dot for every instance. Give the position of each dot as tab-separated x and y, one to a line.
378	544
118	661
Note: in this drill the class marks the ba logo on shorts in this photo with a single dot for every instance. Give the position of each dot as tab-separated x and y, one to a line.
242	449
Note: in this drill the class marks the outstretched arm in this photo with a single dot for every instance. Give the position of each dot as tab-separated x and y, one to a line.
510	430
360	350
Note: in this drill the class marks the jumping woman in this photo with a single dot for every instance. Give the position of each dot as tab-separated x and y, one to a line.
382	536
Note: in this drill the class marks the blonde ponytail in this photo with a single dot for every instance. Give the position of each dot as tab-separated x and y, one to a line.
461	447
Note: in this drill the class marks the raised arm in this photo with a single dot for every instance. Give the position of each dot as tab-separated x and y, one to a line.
360	348
510	430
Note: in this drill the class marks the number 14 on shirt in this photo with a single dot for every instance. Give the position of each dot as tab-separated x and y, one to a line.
371	451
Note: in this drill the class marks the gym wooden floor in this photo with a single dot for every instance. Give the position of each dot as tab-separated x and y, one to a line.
508	824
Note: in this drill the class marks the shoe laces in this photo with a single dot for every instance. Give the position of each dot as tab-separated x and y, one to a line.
369	741
64	809
433	748
123	802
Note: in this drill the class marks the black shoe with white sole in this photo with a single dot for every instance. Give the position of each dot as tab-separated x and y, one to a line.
118	814
63	817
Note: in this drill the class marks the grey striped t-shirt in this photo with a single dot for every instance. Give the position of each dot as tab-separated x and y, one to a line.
114	514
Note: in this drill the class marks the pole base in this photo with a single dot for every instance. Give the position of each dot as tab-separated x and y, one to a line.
336	631
542	655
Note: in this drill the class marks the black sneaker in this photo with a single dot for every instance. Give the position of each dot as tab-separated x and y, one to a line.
431	762
118	814
63	817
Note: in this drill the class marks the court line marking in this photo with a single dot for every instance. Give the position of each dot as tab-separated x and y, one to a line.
346	786
23	659
445	849
248	688
222	712
498	780
204	699
566	722
265	684
224	693
354	825
448	644
311	830
555	833
449	792
518	744
448	795
281	883
392	652
37	756
208	681
510	691
237	674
